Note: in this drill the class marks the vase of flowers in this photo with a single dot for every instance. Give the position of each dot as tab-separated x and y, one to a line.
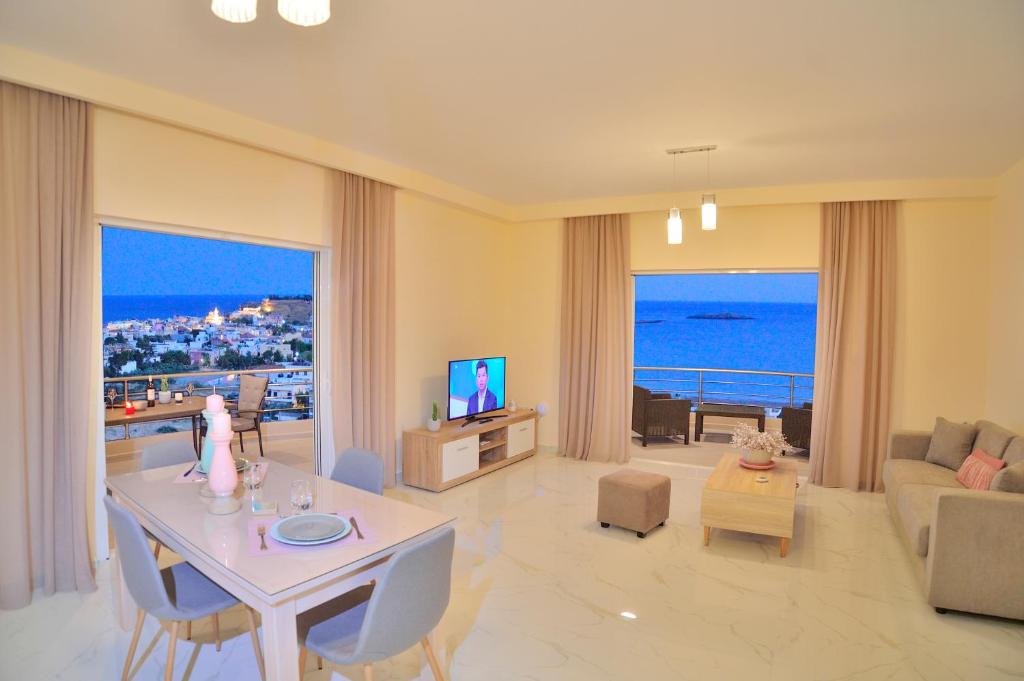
434	424
758	448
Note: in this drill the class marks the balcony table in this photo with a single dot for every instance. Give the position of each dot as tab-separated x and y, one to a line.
735	411
191	407
278	585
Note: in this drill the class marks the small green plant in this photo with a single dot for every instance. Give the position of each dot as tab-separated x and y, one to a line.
433	413
164	385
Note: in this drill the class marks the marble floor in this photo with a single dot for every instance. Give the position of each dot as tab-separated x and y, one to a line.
539	590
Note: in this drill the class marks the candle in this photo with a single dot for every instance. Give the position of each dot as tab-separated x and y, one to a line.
129	408
179	397
215	403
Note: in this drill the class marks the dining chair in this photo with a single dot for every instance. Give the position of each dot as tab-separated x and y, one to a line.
360	468
163	454
177	593
252	393
402	609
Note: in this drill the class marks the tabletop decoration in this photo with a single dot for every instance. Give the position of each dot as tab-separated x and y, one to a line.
129	408
214	406
223	476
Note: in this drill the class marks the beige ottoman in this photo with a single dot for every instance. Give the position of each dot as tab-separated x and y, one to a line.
634	500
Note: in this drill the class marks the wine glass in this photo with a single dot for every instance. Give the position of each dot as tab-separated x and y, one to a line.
302	496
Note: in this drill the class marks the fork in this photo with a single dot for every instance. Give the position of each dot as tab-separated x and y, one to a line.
262	532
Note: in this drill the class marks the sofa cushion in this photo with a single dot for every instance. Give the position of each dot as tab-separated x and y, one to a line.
915	505
992	438
898	472
978	470
1010	479
1014	451
951	443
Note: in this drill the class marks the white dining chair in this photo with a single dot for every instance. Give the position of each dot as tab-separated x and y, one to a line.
177	593
360	468
401	610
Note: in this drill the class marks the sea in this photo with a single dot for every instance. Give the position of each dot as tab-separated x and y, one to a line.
776	337
121	308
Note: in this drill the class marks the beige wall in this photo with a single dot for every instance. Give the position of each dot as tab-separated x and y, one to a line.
748	237
942	327
1006	336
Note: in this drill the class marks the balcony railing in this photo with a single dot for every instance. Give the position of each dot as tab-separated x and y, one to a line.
769	389
225	383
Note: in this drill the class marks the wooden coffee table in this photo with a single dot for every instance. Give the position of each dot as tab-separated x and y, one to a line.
734	500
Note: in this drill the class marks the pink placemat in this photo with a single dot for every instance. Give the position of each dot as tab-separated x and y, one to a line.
190	473
275	547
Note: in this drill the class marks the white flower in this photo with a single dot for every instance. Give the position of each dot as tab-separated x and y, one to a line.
747	437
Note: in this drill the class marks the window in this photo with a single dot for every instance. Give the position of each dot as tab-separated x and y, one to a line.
196	312
760	327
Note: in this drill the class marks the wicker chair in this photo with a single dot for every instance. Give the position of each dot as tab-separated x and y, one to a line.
796	426
660	415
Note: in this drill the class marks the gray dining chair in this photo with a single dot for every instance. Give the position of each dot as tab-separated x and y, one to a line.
163	454
403	607
360	468
177	593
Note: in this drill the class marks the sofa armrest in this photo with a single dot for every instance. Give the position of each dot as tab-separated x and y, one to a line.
976	553
909	444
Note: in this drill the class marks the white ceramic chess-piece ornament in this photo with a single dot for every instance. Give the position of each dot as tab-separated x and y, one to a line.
223	476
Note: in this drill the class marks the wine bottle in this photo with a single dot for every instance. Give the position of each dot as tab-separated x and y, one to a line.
150	393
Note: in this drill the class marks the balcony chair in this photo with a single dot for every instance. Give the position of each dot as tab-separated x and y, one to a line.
796	426
390	616
360	468
191	595
660	415
247	411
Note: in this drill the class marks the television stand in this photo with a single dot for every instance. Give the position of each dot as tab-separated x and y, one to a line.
461	452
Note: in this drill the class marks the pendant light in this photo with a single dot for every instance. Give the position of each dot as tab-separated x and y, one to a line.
235	11
304	12
708	208
675	220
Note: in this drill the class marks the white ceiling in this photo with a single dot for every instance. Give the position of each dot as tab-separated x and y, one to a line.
540	100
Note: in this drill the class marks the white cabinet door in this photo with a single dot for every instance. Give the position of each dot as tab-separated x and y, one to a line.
460	457
522	437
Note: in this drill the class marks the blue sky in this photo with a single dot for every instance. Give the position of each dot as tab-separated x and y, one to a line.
150	263
729	288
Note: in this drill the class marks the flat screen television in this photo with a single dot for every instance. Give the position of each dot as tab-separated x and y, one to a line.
475	387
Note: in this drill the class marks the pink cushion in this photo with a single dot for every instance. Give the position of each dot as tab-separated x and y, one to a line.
978	469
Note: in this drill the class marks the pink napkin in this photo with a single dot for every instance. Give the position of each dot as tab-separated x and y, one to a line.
190	474
275	547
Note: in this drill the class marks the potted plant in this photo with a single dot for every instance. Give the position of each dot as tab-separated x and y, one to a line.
434	424
758	448
165	391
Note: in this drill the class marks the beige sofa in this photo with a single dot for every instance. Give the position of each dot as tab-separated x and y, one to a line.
967	545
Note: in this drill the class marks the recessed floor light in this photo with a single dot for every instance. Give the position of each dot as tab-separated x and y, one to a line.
625	614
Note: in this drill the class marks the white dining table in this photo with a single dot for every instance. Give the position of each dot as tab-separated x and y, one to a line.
277	585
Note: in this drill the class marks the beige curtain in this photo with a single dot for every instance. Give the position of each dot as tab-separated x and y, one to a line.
854	351
46	274
363	319
597	339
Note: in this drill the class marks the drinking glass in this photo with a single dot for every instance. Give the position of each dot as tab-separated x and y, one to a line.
253	475
302	496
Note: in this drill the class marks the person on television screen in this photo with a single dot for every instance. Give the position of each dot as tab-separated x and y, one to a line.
482	399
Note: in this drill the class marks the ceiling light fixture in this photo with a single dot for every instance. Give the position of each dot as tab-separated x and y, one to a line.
675	220
708	207
304	12
235	11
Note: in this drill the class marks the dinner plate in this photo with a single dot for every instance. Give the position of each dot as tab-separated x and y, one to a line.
239	466
310	528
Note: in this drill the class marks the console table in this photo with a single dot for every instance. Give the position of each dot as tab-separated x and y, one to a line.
455	454
736	411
